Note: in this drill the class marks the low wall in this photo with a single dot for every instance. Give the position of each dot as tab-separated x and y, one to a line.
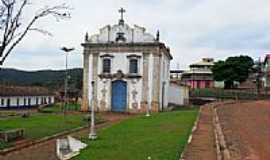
178	95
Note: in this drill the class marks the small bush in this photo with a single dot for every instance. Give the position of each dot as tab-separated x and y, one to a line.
3	144
87	118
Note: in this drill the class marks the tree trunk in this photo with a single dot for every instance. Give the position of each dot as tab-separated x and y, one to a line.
228	84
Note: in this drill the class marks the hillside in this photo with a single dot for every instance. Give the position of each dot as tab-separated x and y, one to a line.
46	78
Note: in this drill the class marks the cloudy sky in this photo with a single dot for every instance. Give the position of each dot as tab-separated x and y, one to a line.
191	28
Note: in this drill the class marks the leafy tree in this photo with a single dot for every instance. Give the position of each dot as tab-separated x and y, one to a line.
14	28
233	69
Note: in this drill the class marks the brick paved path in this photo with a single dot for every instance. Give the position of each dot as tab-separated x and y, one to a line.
202	146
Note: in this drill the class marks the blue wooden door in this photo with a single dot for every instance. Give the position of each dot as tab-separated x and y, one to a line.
119	96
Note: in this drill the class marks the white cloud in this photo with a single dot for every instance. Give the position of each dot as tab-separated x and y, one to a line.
192	29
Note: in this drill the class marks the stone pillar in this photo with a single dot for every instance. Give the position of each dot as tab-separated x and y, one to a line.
156	83
85	100
95	79
145	90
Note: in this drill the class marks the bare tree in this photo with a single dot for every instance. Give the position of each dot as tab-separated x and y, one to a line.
12	27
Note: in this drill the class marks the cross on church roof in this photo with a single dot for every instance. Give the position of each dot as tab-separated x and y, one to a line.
122	11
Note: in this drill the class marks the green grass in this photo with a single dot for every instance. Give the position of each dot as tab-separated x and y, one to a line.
41	125
161	137
58	108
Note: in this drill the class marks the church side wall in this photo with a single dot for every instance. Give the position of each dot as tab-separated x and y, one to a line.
165	81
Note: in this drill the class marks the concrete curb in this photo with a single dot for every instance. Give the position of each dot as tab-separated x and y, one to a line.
195	127
222	150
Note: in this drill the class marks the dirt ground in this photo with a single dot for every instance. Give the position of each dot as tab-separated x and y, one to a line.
202	146
246	127
47	150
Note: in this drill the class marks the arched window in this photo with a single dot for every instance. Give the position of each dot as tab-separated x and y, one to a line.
106	65
133	66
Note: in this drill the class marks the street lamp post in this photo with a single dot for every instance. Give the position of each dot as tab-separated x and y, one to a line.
92	134
66	50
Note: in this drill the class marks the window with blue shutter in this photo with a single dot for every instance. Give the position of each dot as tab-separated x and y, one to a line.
106	65
133	66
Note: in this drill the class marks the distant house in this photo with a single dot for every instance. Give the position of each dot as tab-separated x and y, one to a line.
176	74
73	95
266	70
248	84
19	97
200	75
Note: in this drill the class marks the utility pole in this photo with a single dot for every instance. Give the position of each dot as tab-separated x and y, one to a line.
66	50
92	134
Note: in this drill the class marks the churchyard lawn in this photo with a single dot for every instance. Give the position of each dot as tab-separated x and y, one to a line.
159	137
40	125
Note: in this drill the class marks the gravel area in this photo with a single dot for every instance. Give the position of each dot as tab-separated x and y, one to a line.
246	127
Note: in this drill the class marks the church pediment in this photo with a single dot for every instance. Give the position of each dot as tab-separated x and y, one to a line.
122	34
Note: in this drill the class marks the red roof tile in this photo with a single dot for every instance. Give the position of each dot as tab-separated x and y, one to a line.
6	91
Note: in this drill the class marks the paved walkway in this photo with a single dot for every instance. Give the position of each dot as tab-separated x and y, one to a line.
47	150
202	146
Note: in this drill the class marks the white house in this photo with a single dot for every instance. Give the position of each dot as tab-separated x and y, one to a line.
20	97
266	71
178	94
126	69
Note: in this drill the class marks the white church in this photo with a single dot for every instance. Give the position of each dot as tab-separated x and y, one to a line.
126	69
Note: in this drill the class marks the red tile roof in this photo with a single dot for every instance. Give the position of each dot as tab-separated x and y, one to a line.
9	91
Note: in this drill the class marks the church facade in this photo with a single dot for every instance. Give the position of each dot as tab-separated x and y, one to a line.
126	69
